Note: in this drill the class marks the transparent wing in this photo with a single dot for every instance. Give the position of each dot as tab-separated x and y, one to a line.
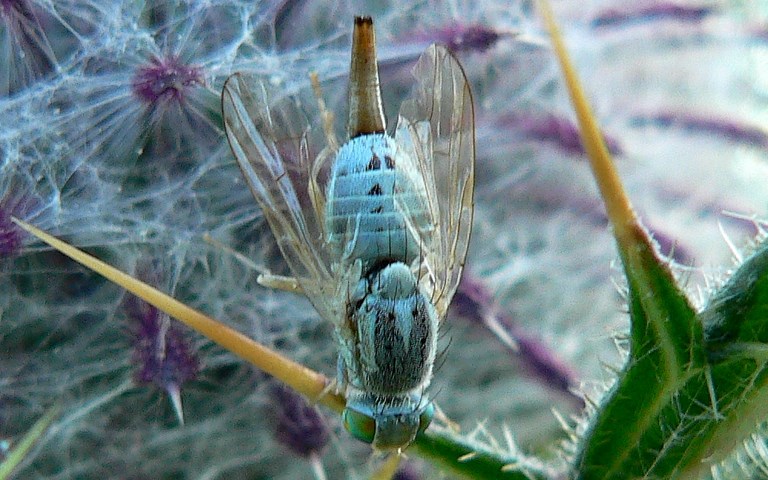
437	125
271	139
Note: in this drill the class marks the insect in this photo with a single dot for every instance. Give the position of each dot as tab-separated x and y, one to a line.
375	231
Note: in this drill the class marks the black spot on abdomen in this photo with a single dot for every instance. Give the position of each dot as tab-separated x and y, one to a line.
375	190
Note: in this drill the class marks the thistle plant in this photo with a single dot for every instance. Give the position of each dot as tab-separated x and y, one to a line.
112	140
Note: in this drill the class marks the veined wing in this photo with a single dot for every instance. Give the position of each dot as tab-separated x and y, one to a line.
438	124
271	140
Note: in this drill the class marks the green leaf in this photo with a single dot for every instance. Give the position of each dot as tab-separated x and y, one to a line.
736	318
671	414
473	459
736	339
663	323
640	429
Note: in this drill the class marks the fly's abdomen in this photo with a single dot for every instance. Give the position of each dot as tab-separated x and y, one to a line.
370	199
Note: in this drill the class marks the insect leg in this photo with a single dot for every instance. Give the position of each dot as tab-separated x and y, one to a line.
279	282
265	279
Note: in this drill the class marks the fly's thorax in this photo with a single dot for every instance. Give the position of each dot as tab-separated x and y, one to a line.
387	422
371	199
394	333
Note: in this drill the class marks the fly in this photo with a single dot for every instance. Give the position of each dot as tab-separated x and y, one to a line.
375	231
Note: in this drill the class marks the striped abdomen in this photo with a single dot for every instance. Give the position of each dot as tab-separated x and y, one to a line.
368	200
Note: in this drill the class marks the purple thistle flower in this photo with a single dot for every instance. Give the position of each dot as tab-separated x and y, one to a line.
167	91
300	427
144	98
466	38
553	129
705	124
17	199
164	80
613	18
162	353
10	235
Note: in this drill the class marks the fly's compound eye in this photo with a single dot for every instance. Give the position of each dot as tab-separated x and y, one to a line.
426	417
360	425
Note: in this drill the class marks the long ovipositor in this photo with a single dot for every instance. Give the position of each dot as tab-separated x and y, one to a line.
366	111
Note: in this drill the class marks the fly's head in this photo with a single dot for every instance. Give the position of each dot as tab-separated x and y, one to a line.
387	423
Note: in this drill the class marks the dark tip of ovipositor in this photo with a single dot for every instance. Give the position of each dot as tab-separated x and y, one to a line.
363	20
